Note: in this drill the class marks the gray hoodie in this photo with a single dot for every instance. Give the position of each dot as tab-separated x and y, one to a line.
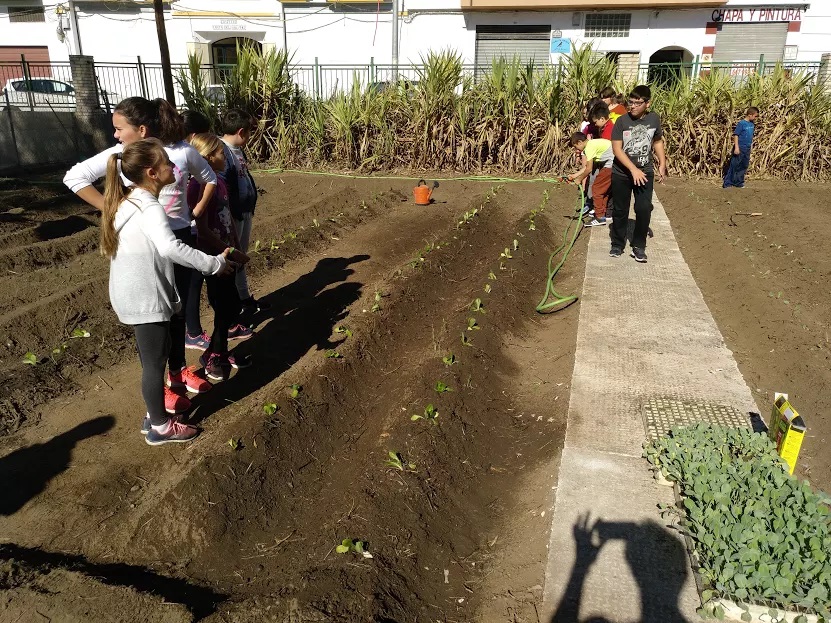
142	288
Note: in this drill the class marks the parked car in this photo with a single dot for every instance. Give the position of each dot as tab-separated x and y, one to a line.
48	92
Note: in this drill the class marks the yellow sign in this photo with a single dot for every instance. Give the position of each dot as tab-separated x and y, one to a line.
786	429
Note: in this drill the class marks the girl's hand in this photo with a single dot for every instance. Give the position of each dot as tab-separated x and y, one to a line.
229	267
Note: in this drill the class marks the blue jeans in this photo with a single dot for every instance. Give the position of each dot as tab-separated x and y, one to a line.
738	168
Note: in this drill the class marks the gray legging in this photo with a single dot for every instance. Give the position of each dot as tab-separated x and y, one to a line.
153	341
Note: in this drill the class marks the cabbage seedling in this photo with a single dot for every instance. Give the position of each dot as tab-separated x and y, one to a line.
359	547
477	306
79	333
449	359
294	390
472	325
333	354
487	288
441	387
492	276
466	340
395	461
430	413
343	331
270	408
30	359
506	254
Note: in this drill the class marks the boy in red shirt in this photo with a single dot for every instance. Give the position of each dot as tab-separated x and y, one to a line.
601	119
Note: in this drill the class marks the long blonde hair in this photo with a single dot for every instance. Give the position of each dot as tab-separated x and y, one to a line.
135	160
206	144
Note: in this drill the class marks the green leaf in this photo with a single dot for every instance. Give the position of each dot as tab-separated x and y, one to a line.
441	387
415	417
333	354
270	408
30	359
80	333
341	549
294	390
718	611
746	616
449	359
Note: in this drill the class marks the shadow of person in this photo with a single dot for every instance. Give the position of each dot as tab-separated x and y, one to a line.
656	559
303	313
26	471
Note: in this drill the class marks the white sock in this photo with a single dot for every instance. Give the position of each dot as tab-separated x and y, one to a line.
161	428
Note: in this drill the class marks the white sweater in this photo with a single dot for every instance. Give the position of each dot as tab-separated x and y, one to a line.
186	162
142	288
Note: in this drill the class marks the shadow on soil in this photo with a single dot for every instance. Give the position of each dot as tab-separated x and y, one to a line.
199	600
31	468
303	314
656	559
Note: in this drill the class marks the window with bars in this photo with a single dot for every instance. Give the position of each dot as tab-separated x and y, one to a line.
608	24
26	14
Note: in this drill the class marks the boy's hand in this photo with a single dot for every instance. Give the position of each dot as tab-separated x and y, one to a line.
662	172
736	150
638	177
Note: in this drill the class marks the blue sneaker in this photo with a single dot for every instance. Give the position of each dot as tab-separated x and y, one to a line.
197	342
239	361
145	425
239	332
174	432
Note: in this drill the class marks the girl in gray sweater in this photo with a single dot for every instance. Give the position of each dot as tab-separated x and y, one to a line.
137	238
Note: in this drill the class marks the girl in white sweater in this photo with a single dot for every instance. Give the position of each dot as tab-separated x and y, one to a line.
137	238
136	118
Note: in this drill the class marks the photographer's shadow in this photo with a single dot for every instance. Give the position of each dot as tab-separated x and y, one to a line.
656	559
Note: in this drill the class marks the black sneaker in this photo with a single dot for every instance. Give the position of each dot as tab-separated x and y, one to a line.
639	255
253	306
615	252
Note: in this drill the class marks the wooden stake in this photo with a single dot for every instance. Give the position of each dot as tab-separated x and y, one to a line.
164	51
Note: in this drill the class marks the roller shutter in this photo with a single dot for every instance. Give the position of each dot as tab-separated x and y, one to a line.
526	42
747	42
10	67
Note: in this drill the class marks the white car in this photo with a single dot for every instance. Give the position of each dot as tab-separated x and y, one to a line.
47	94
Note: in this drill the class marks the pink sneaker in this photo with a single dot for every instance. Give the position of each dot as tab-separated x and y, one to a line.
175	403
174	432
189	379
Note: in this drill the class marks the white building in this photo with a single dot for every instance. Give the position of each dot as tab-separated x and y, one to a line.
360	31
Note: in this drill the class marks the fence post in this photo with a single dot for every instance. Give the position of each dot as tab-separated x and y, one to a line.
142	77
824	75
696	67
761	64
316	77
11	127
371	70
27	76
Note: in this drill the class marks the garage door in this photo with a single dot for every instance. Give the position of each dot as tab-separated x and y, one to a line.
10	66
529	43
747	42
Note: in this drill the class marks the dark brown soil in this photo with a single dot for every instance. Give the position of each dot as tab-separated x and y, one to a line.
765	279
242	524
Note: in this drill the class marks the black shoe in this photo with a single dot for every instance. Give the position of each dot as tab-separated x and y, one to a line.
253	306
615	252
639	255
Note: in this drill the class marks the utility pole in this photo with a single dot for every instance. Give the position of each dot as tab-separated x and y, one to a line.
73	25
285	28
164	51
395	40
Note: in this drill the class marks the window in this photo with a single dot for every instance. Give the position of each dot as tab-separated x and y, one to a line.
26	14
608	24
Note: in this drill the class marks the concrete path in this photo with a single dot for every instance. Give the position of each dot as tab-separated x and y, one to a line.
645	337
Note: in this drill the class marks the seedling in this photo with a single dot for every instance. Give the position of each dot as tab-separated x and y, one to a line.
492	276
377	305
472	325
292	235
270	408
274	245
295	389
257	246
358	547
342	330
30	359
466	340
395	461
79	333
487	288
315	223
476	306
333	354
441	387
236	444
449	359
502	266
506	254
430	413
516	244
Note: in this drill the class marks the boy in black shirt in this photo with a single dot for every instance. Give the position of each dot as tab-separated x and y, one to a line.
634	137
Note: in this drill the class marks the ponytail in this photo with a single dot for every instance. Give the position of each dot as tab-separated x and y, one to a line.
159	118
135	160
114	193
170	128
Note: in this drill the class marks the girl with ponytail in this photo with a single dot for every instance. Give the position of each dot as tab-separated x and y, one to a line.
136	237
134	119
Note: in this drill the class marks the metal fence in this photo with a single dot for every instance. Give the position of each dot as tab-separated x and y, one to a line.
45	86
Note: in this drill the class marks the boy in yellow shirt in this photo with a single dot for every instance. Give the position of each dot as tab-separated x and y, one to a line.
595	155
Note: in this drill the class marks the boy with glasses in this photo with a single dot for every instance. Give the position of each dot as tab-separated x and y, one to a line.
634	136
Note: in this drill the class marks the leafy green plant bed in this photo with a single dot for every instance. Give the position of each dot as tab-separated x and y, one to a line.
758	535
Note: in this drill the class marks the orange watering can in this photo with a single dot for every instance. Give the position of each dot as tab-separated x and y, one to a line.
423	193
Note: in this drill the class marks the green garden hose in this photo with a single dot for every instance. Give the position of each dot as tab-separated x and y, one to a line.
552	300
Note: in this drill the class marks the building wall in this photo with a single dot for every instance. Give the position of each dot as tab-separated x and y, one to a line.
317	32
